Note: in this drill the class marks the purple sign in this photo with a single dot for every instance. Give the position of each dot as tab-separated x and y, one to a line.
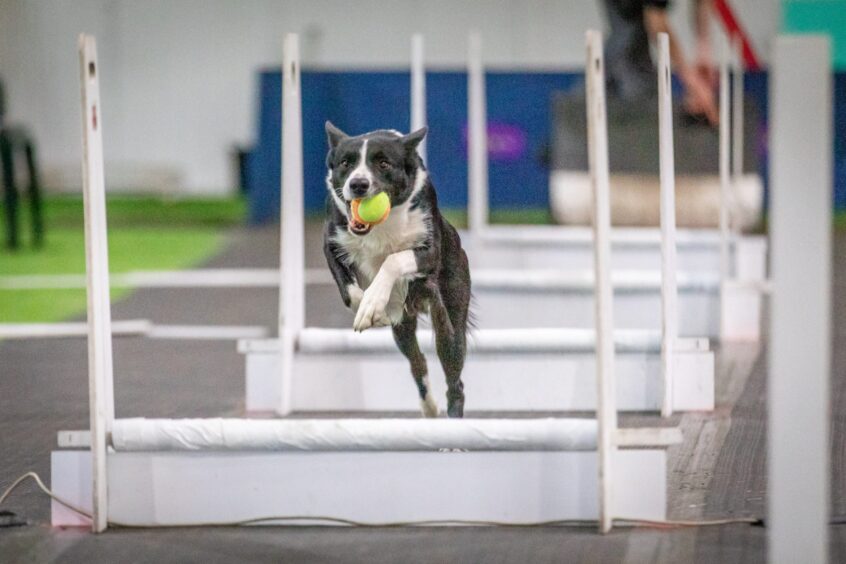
506	142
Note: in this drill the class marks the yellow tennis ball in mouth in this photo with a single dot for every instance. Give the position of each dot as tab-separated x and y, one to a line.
374	209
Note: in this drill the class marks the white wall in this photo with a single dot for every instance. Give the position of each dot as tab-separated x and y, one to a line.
178	77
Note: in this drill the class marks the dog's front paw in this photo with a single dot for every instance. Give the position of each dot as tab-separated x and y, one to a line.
371	310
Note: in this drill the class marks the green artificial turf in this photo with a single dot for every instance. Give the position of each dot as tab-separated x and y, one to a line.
526	216
144	234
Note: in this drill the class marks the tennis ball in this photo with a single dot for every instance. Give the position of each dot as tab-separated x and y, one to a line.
374	209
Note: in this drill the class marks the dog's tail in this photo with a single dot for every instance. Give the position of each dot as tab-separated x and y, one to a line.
438	310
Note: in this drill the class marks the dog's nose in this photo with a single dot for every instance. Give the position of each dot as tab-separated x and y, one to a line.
359	186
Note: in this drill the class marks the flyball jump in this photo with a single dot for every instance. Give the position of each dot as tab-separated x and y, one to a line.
233	471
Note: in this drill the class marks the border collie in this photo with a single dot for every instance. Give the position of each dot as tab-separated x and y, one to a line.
411	263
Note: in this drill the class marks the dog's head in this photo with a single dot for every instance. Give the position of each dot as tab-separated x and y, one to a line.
365	165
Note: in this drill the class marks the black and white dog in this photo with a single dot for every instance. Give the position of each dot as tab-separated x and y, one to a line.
412	263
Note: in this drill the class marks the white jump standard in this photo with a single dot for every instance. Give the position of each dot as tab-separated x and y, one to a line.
189	472
520	369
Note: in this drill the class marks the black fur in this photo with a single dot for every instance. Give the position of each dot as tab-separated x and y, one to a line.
441	285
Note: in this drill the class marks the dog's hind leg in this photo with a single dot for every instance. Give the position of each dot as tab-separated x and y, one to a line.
405	335
451	347
450	325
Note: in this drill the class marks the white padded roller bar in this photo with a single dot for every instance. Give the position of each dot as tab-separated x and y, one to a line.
318	435
800	341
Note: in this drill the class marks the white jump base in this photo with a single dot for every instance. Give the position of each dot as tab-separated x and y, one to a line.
303	468
529	299
506	370
510	298
548	247
185	488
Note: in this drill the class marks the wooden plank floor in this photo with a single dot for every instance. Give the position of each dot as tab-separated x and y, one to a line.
717	472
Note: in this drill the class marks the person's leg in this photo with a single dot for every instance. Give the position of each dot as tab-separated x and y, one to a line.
10	194
34	195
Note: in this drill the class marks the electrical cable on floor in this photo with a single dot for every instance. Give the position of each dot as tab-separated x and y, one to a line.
44	489
320	519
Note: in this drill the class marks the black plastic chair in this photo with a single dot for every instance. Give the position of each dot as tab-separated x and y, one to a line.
14	140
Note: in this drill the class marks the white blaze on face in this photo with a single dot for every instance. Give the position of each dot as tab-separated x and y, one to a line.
339	203
360	171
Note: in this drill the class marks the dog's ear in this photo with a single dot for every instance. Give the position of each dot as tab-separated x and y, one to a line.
414	138
334	135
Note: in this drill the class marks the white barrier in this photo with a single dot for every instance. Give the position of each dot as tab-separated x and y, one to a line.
196	472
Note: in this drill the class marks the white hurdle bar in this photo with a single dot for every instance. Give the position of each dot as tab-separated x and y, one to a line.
799	408
540	368
149	472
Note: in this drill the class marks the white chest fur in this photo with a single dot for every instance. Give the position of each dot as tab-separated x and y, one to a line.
403	230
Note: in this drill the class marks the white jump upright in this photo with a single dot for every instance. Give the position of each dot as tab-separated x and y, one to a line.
743	278
477	139
101	399
669	289
737	111
292	247
606	412
418	89
182	472
800	341
726	270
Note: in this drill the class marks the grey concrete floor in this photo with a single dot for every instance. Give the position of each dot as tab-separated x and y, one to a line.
717	472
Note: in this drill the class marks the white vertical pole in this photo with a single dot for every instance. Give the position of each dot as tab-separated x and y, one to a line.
669	296
418	89
477	138
100	378
800	336
292	259
737	112
606	413
725	192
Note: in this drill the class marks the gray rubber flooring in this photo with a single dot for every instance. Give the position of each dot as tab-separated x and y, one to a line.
719	471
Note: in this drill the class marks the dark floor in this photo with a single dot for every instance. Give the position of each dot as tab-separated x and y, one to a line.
717	472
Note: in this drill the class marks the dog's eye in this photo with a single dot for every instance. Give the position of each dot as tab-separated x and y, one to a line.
344	163
384	165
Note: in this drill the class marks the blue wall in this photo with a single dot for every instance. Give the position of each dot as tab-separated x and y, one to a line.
519	126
